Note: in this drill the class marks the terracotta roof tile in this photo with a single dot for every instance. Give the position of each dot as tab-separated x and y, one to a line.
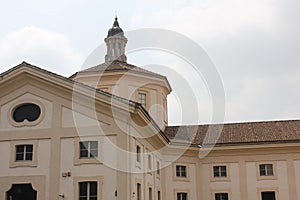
237	133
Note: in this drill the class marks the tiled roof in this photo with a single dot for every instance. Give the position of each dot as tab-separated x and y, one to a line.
237	133
119	66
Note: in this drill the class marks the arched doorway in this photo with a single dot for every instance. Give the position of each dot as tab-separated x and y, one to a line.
21	192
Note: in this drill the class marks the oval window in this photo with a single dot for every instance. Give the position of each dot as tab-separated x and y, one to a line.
27	111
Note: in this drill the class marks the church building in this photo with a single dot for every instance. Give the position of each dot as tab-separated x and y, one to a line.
103	134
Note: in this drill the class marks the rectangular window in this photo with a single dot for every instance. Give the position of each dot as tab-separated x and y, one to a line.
150	193
138	153
88	149
142	99
221	196
220	171
88	190
158	167
268	196
182	196
266	170
158	195
138	191
180	171
24	152
149	162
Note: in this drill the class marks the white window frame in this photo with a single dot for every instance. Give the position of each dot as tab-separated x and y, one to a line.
214	178
87	160
98	179
268	169
89	149
181	171
266	177
23	163
88	195
220	171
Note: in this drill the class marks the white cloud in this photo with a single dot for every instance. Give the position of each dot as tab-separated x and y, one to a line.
213	19
39	47
254	44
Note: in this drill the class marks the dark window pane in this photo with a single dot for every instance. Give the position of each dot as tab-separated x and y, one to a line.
83	189
83	145
20	148
20	156
28	156
28	111
182	196
94	153
138	153
83	153
177	170
216	171
223	171
262	171
94	145
183	171
83	149
268	196
139	191
93	188
83	198
269	169
29	148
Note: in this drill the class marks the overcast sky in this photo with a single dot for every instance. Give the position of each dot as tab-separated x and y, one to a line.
254	44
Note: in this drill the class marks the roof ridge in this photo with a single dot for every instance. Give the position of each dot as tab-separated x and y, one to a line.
25	64
235	123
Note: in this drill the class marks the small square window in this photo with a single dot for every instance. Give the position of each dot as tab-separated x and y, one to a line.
266	170
88	149
220	171
221	196
24	152
181	171
182	196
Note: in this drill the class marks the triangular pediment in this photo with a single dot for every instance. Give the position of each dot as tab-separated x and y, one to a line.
75	105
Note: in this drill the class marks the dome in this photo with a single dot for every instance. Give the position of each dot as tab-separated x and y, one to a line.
115	29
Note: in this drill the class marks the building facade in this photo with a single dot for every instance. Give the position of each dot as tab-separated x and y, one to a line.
103	134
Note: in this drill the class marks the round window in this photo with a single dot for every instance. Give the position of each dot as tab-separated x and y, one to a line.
27	111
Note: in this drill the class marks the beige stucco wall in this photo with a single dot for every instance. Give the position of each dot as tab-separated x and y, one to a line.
243	180
128	84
